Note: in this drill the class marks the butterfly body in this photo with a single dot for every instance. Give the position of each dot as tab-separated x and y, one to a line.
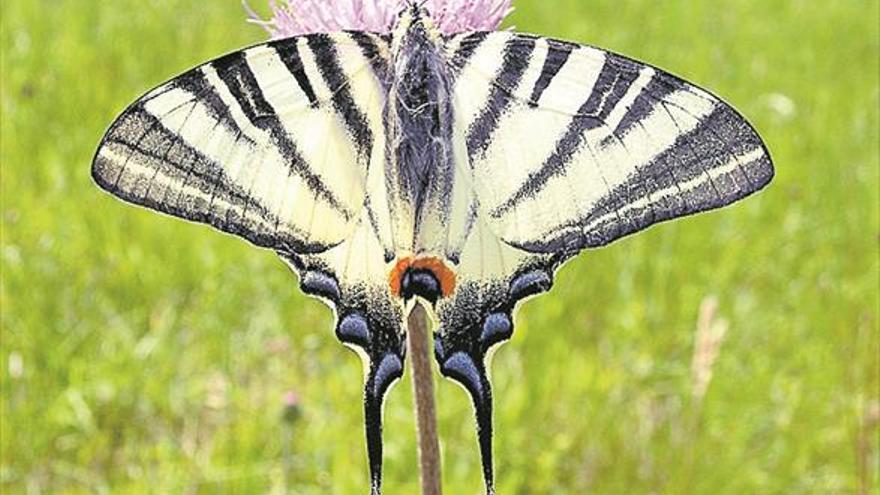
460	169
419	124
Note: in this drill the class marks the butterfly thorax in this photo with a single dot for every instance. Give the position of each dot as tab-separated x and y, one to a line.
418	120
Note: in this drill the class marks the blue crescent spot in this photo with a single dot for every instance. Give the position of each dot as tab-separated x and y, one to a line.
353	329
461	367
388	370
529	284
496	328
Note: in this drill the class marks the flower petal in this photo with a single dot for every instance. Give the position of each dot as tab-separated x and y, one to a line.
294	17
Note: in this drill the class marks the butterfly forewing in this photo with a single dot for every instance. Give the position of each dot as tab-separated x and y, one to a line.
573	147
256	143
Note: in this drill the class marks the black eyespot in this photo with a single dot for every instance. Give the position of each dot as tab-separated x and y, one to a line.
420	283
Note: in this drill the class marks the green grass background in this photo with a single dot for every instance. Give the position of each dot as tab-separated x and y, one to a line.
142	354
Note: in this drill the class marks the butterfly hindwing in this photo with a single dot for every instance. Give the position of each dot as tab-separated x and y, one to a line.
493	278
351	278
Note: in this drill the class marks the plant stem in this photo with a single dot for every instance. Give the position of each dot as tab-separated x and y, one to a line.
423	391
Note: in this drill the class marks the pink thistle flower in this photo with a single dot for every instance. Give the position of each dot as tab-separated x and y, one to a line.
294	17
292	407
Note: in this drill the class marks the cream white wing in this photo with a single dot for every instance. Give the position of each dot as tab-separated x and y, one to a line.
283	145
352	277
271	143
572	147
561	147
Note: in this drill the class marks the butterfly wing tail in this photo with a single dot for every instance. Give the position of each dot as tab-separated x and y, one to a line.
467	368
386	366
370	323
378	340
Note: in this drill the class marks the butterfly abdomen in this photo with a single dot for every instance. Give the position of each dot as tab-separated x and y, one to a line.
418	118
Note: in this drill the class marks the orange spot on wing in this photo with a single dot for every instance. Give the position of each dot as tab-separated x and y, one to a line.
445	275
396	276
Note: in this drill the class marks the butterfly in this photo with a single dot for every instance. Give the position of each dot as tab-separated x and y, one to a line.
458	170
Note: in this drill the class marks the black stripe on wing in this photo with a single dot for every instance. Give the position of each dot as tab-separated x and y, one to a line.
195	83
375	49
288	52
558	53
614	80
236	74
659	191
510	73
660	86
466	48
327	60
138	135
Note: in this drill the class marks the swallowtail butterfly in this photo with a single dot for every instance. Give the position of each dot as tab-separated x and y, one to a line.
462	170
